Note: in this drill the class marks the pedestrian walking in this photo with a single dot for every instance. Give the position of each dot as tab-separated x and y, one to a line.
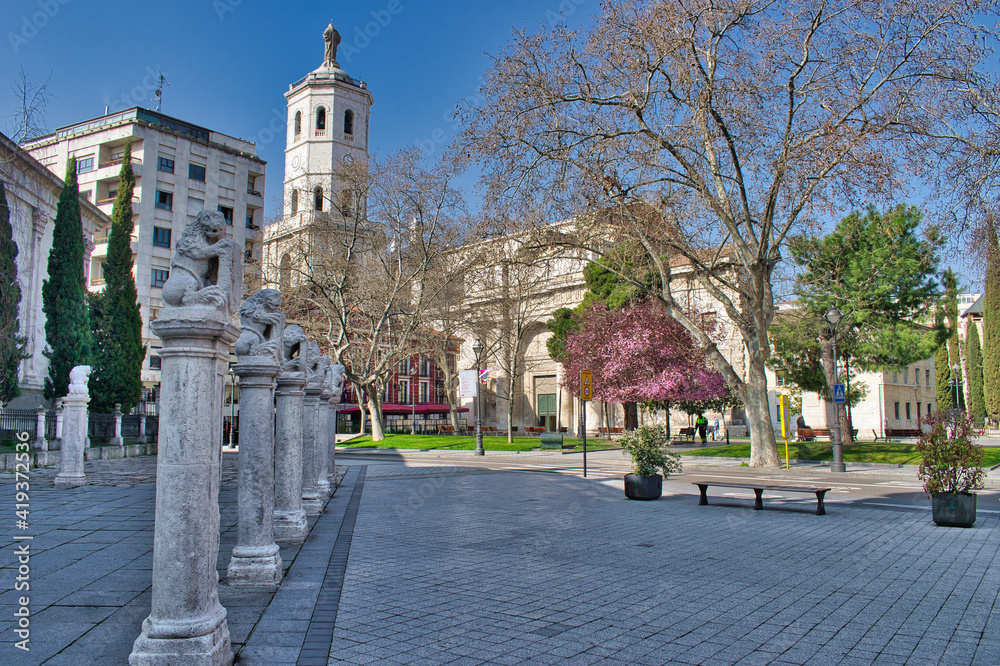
701	423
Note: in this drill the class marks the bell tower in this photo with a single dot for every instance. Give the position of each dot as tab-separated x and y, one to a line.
328	115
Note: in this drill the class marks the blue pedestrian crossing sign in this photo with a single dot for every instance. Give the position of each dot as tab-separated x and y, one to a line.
839	393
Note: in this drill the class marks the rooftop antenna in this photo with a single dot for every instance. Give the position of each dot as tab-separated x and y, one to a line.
159	91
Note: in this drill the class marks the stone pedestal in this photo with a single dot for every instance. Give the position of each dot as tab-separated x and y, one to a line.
323	445
40	443
289	516
186	623
332	456
312	500
142	429
57	444
117	439
255	558
73	441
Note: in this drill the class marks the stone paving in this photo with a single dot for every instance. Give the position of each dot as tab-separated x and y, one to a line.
429	564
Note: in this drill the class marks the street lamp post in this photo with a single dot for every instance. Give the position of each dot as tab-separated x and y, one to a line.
477	349
955	369
833	317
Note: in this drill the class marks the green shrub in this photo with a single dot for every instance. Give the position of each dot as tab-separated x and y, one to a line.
648	446
952	462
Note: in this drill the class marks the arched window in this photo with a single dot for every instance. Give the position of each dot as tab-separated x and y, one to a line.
318	198
295	202
349	122
285	273
347	203
298	123
320	121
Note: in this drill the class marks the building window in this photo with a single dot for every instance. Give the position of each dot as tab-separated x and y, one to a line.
298	123
160	277
424	390
906	375
927	377
404	366
161	237
295	202
928	409
154	359
896	410
320	121
196	172
918	410
403	397
349	122
425	365
908	411
166	165
318	198
86	194
895	377
84	164
227	213
164	200
250	224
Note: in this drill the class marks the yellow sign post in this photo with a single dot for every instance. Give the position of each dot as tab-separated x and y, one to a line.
586	395
782	408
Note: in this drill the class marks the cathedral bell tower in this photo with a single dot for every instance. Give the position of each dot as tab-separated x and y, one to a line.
328	115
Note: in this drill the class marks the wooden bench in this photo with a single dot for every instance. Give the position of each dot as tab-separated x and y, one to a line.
901	432
810	434
534	430
490	430
607	432
446	430
684	436
759	488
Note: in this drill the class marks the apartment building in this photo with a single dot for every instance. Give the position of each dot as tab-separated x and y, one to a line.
181	169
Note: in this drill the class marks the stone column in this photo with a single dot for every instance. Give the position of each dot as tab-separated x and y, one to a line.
311	499
289	516
40	442
323	443
142	429
332	442
255	558
186	623
117	439
74	435
336	393
59	422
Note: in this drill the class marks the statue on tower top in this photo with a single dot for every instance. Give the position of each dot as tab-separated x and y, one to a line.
332	39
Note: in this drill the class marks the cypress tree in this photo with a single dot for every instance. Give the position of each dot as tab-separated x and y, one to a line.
64	294
12	346
950	282
974	371
991	323
117	322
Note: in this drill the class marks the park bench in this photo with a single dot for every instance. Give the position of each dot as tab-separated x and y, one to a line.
759	488
685	436
810	434
534	430
490	430
607	432
896	433
446	430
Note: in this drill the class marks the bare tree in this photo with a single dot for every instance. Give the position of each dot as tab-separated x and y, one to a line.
507	307
712	130
29	119
356	270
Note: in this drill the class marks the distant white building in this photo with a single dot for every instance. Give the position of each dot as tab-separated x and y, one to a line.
181	169
32	195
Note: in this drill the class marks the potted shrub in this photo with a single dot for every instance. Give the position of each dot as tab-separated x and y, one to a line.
951	467
648	447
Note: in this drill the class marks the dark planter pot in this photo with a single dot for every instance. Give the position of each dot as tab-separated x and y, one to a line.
954	509
643	487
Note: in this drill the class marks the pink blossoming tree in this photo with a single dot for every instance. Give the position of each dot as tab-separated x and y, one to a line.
639	354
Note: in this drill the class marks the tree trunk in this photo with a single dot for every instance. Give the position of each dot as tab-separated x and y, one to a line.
375	412
631	416
763	447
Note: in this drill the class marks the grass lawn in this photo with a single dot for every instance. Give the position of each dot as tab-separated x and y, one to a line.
465	443
883	452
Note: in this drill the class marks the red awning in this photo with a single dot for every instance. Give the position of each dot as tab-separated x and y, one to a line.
403	410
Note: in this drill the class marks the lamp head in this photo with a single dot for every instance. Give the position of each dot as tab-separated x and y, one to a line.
833	316
477	348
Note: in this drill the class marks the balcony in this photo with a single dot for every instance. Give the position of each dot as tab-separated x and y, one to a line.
254	193
118	160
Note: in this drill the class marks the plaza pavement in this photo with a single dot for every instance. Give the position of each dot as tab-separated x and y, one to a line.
417	561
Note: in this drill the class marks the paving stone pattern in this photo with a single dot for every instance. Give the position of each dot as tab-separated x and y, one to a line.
429	564
526	568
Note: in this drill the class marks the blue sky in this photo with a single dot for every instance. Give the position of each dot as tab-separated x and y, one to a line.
229	62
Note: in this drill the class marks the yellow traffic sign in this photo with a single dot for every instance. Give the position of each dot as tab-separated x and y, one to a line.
586	385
